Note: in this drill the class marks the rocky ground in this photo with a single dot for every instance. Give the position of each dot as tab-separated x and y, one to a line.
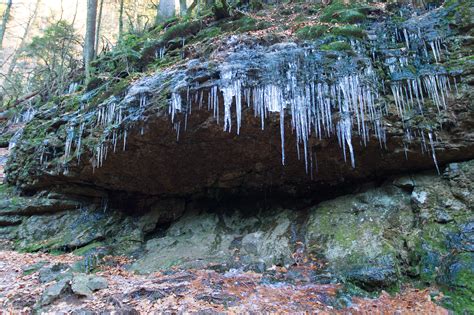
32	281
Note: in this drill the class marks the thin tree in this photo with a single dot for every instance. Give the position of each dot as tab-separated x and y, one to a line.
5	18
99	22
121	18
28	25
183	7
89	43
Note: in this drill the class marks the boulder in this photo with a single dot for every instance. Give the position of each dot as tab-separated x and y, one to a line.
85	285
55	292
54	273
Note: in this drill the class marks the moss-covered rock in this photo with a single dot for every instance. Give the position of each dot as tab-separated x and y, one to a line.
311	32
361	236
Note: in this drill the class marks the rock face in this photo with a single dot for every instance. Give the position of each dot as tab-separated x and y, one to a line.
418	226
387	104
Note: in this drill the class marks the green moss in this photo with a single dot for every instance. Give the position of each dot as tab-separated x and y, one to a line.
286	11
182	30
72	103
460	13
348	31
5	190
338	12
207	33
337	46
256	5
31	248
311	32
351	16
245	24
87	249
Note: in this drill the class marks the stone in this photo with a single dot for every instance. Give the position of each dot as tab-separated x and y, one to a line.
97	283
55	292
28	206
419	197
85	285
372	278
406	183
53	273
360	245
442	216
34	267
10	220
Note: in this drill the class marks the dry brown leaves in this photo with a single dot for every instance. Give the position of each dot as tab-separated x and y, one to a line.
410	301
192	291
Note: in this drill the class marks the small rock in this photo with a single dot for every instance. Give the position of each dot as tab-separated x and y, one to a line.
55	272
373	277
79	285
406	183
442	216
33	268
84	285
55	291
97	283
419	197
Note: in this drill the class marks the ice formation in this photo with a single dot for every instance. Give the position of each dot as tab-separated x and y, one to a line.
321	94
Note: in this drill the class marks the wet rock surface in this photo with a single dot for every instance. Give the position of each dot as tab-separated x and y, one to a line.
375	239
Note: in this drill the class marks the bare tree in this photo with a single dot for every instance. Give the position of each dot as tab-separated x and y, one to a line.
166	9
5	18
121	18
89	43
99	22
183	7
28	25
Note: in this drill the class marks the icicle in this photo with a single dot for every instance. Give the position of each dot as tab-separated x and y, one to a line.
160	53
68	143
407	38
433	153
79	141
175	105
124	140
282	133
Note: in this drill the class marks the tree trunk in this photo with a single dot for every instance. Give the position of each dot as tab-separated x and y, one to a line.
192	7
121	18
183	7
99	22
5	17
89	48
166	9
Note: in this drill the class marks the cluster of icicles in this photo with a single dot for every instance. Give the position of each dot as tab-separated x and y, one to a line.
310	105
345	106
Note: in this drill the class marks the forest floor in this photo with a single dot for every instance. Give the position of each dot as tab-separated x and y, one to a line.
188	291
